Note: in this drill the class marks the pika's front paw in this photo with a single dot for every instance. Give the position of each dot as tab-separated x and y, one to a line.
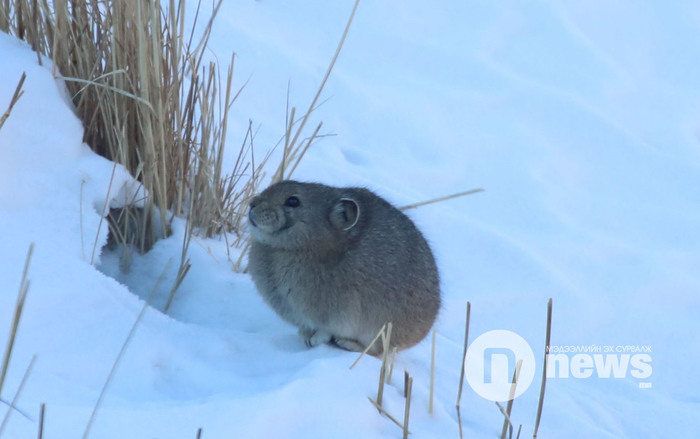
314	337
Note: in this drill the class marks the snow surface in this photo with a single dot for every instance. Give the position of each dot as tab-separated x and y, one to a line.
581	120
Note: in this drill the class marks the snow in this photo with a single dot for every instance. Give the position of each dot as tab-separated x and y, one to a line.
580	119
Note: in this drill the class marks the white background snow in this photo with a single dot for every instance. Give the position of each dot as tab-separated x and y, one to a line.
580	119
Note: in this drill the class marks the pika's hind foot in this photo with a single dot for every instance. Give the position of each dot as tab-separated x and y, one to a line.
314	337
355	346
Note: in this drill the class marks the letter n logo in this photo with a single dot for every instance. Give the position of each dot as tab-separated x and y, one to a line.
499	365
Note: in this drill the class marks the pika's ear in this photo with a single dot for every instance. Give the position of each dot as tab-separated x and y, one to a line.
345	214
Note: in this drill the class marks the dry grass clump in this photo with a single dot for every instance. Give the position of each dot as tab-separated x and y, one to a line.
148	100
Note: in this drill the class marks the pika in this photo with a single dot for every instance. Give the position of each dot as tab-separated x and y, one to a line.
339	263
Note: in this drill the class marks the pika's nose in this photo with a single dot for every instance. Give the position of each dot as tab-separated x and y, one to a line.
251	214
251	217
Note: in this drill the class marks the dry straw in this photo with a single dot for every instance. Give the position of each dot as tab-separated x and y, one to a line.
386	349
440	199
19	306
42	414
148	100
407	409
294	148
15	97
507	424
548	337
13	404
380	334
461	371
432	376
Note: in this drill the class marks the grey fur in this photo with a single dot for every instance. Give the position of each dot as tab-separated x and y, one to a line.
341	264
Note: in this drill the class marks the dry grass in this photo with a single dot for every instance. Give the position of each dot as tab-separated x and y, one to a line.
507	423
294	145
386	349
42	415
381	334
440	199
18	393
394	352
388	355
408	391
548	337
15	97
149	101
461	371
432	376
385	413
508	427
19	306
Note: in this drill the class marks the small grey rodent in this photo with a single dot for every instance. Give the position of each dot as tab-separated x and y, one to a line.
339	263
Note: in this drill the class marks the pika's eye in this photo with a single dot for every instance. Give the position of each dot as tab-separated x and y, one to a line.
292	202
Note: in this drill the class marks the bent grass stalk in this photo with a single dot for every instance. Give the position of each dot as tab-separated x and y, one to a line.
505	414
385	413
15	97
13	404
511	397
19	306
292	150
461	374
374	340
548	336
